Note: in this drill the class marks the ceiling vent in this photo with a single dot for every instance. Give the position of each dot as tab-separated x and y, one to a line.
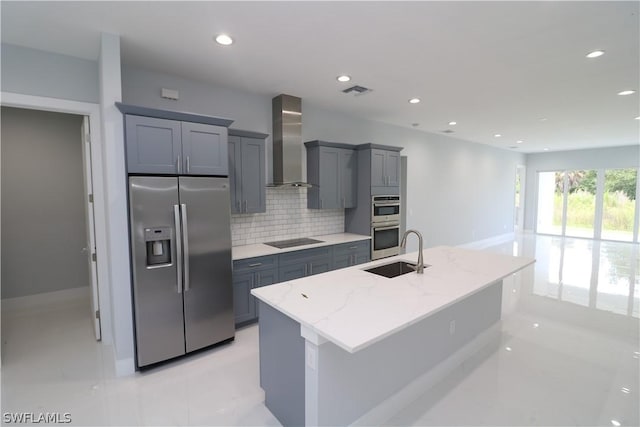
357	90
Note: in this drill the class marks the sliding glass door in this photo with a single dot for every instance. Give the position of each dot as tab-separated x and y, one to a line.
581	203
619	204
550	202
589	203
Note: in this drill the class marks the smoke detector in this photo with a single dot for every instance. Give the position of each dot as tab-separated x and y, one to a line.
357	90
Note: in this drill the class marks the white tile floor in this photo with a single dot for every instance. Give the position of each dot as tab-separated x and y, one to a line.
568	355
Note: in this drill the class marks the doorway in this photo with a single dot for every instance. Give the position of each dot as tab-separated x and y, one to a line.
48	241
518	217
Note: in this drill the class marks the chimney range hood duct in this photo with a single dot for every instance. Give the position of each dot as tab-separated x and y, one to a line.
287	141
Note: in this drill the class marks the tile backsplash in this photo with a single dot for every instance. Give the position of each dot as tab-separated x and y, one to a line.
287	217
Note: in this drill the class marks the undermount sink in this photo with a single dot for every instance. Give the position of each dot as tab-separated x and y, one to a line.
393	269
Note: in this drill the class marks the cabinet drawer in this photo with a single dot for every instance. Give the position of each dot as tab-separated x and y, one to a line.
305	255
255	264
351	248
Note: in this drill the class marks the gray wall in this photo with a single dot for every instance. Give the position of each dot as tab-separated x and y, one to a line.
43	220
598	158
458	191
35	72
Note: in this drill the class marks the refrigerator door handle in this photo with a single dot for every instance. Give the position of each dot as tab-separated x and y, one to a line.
185	242
178	238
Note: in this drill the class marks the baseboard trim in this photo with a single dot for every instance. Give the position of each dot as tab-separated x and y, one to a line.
491	241
124	367
38	301
394	404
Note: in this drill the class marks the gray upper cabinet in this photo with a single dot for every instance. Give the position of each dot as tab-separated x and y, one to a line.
174	143
385	168
331	169
247	172
204	149
153	145
348	177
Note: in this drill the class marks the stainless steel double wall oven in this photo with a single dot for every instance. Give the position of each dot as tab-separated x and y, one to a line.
385	226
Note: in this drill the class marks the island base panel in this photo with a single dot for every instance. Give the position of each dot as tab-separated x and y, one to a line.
337	387
282	365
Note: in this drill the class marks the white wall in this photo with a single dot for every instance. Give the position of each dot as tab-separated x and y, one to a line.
35	72
110	85
457	191
598	158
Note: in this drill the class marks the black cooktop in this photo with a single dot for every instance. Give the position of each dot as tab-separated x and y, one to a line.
281	244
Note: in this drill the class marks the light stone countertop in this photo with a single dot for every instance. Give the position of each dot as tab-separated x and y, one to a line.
260	249
353	308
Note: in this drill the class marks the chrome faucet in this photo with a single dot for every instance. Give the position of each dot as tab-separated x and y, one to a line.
403	243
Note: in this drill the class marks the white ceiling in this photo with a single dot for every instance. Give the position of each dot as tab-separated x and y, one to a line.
514	68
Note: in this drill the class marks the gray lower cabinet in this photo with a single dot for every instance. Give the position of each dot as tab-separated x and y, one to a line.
165	146
248	274
307	262
247	172
252	273
349	254
332	170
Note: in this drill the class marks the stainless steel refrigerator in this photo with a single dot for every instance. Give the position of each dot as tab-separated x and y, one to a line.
181	257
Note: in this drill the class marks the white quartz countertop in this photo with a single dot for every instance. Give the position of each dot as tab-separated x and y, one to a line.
353	308
260	249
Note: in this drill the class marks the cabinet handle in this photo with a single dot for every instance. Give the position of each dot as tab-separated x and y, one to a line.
258	278
320	203
239	206
178	164
353	247
310	269
188	165
257	264
305	269
245	206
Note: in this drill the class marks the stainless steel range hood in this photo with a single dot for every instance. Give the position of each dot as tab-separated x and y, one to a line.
287	141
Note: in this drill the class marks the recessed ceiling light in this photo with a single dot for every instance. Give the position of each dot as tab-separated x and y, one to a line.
497	135
414	100
224	39
343	78
546	149
638	118
626	92
453	123
616	423
595	53
519	141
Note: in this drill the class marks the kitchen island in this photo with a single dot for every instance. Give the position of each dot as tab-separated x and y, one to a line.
347	346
